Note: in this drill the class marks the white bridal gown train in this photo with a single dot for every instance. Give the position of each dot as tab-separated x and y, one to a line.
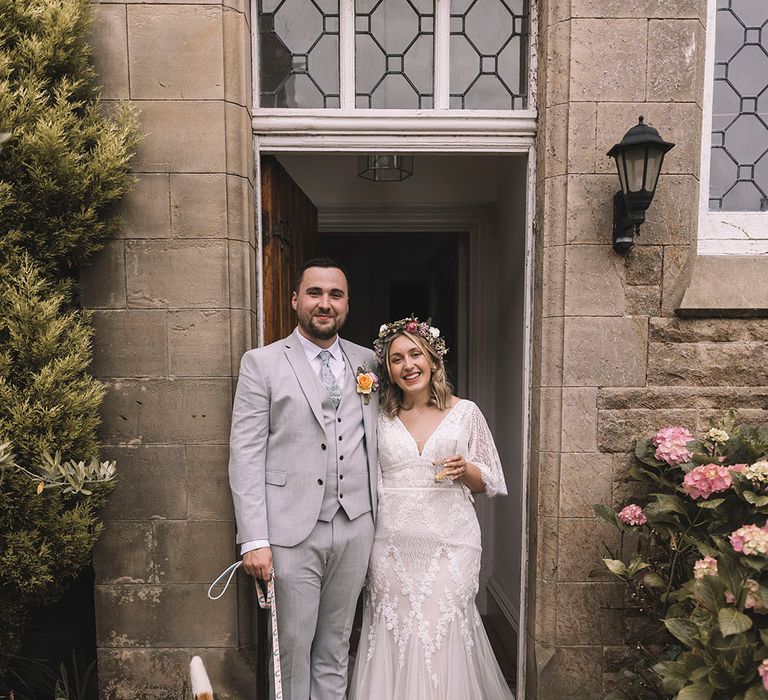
422	637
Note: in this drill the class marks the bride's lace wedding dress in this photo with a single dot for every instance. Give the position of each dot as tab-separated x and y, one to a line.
422	638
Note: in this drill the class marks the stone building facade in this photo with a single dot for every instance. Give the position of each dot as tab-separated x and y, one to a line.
616	346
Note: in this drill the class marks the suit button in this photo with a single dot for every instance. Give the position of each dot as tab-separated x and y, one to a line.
341	437
339	419
341	495
322	446
341	458
341	476
320	482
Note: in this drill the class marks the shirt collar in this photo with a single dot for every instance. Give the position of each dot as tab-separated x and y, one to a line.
313	350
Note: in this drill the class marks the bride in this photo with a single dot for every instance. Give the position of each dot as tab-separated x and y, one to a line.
422	638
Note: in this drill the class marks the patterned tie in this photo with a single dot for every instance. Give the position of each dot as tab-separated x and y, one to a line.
328	379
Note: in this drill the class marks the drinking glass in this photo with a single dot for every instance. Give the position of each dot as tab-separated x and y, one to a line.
444	449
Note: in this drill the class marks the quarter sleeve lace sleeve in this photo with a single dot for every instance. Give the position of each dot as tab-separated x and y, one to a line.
483	454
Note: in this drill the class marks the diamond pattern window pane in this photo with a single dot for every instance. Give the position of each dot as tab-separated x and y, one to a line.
394	53
738	179
489	45
299	53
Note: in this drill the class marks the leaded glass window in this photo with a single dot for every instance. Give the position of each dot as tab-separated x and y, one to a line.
739	156
299	53
393	54
394	51
488	70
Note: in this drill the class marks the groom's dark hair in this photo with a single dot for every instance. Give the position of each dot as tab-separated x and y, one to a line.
318	262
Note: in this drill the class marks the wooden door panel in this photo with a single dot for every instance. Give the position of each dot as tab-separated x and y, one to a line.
289	237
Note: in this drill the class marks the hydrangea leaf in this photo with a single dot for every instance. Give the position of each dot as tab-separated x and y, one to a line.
732	621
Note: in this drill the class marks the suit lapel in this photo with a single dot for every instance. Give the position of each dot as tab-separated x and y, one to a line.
353	362
294	352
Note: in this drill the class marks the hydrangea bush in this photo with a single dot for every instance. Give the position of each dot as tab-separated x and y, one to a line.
699	564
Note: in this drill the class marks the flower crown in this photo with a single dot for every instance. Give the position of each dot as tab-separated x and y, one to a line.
411	325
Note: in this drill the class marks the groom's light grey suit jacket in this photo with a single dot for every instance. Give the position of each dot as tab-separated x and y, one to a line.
279	447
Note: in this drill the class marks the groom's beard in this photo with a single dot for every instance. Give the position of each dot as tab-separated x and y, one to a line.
311	328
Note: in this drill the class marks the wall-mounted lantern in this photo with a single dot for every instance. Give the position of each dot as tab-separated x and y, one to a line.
385	167
638	156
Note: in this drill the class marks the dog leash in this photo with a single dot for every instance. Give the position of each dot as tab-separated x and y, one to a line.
266	602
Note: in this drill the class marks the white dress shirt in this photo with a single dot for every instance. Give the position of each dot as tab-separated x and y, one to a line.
339	369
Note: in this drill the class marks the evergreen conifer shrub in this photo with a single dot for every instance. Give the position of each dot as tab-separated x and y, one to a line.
65	164
63	167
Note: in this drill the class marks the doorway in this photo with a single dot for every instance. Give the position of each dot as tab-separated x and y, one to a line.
448	243
394	275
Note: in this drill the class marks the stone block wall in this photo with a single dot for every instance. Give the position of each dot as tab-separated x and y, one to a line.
173	304
611	363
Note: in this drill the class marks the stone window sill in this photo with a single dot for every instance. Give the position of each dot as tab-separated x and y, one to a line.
727	286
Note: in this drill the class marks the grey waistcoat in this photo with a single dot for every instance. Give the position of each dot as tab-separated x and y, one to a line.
346	480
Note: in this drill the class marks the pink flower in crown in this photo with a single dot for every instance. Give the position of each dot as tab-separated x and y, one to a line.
702	482
705	567
762	669
632	515
412	326
750	540
671	444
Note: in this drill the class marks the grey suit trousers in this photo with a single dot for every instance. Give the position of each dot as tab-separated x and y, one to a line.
317	584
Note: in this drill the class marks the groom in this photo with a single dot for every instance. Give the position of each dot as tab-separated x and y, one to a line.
302	471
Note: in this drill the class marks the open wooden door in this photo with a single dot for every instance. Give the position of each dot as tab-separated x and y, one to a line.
289	238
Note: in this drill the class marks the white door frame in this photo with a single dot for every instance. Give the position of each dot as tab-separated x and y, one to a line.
441	218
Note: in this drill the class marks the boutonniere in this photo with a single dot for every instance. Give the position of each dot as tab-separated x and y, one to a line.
367	383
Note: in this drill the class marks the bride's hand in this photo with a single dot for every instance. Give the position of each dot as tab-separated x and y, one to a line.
455	467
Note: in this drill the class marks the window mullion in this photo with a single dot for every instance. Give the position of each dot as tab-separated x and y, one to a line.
347	53
442	53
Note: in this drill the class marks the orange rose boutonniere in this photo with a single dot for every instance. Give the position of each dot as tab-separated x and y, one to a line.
367	383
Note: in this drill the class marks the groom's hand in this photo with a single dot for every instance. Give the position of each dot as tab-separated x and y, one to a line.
258	563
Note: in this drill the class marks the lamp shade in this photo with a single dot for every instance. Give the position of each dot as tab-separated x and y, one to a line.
639	156
385	167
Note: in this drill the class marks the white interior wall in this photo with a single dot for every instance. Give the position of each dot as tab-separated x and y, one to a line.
506	521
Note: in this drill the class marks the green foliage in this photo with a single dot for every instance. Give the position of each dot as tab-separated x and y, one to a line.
48	403
65	164
713	623
63	167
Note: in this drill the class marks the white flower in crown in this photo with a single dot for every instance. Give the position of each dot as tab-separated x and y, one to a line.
434	332
383	329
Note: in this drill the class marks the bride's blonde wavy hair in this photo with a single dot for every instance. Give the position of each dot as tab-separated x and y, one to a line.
440	388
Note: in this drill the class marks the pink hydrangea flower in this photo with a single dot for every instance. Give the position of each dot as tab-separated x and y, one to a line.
753	596
730	598
762	669
750	540
705	567
632	515
671	444
702	482
412	326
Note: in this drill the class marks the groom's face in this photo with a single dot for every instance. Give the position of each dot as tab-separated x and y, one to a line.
321	302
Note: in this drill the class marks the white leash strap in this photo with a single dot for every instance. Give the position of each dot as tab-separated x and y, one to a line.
266	602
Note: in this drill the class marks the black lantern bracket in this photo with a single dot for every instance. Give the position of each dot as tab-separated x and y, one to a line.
639	157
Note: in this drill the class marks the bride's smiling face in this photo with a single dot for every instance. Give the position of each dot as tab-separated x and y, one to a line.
409	366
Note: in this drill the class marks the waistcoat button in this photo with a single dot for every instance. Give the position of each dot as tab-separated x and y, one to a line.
341	476
341	458
320	482
322	446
